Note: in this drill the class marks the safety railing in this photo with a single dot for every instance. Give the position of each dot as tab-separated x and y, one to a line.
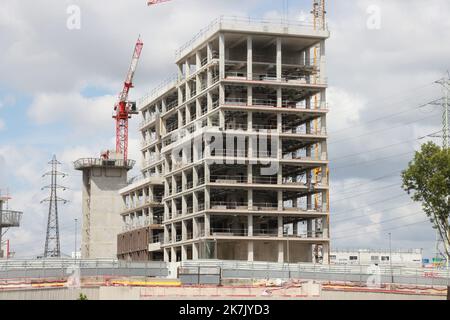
229	232
228	179
247	22
220	205
10	218
97	162
265	206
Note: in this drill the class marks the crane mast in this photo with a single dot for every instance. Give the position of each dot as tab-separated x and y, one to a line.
124	108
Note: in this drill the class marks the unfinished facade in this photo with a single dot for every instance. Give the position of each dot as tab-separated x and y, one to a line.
239	142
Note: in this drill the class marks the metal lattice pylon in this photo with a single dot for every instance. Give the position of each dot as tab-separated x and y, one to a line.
52	242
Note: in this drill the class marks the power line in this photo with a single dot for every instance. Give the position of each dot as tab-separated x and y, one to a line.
381	222
386	117
369	205
373	160
382	130
372	214
369	232
368	191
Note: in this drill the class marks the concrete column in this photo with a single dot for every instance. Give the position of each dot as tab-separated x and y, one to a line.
163	105
279	62
280	252
279	123
207	225
180	96
326	253
183	253
195	170
280	200
222	118
250	225
280	226
184	230
194	251
325	227
174	209
323	71
280	175
250	127
195	231
180	71
198	60
174	233
221	56
207	199
279	98
183	205
249	173
187	69
249	58
194	202
173	255
250	253
209	101
166	255
209	51
250	199
221	94
249	95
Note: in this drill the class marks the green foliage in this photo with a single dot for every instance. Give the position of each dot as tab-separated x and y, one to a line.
427	180
82	297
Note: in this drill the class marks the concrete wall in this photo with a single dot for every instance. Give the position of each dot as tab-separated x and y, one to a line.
102	204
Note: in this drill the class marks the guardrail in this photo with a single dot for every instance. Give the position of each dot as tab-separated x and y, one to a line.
62	268
332	273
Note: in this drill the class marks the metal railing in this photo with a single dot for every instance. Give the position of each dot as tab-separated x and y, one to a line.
97	162
10	218
247	21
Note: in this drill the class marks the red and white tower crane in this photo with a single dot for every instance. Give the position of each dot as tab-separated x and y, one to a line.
124	108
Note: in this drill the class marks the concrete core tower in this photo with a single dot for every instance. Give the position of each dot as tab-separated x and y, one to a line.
101	204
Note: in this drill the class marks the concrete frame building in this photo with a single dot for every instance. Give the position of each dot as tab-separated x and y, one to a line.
236	146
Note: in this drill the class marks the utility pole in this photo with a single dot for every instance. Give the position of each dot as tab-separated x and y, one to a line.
52	243
445	83
390	258
75	248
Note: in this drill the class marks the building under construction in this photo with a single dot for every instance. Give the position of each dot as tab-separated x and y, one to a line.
234	149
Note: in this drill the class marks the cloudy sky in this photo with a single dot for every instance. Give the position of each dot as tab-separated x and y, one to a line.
58	86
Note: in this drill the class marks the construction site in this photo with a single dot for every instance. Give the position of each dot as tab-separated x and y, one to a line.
232	200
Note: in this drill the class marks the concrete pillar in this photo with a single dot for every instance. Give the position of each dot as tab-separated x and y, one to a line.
180	71
280	252
221	94
183	205
195	229
280	175
323	71
198	60
194	251
279	98
194	202
174	232
222	118
280	227
279	123
250	199
173	255
249	95
166	255
249	58
207	225
221	56
184	230
249	173
250	253
326	253
187	68
183	253
280	200
250	225
279	62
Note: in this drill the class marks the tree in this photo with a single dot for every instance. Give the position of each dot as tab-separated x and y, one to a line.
427	179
